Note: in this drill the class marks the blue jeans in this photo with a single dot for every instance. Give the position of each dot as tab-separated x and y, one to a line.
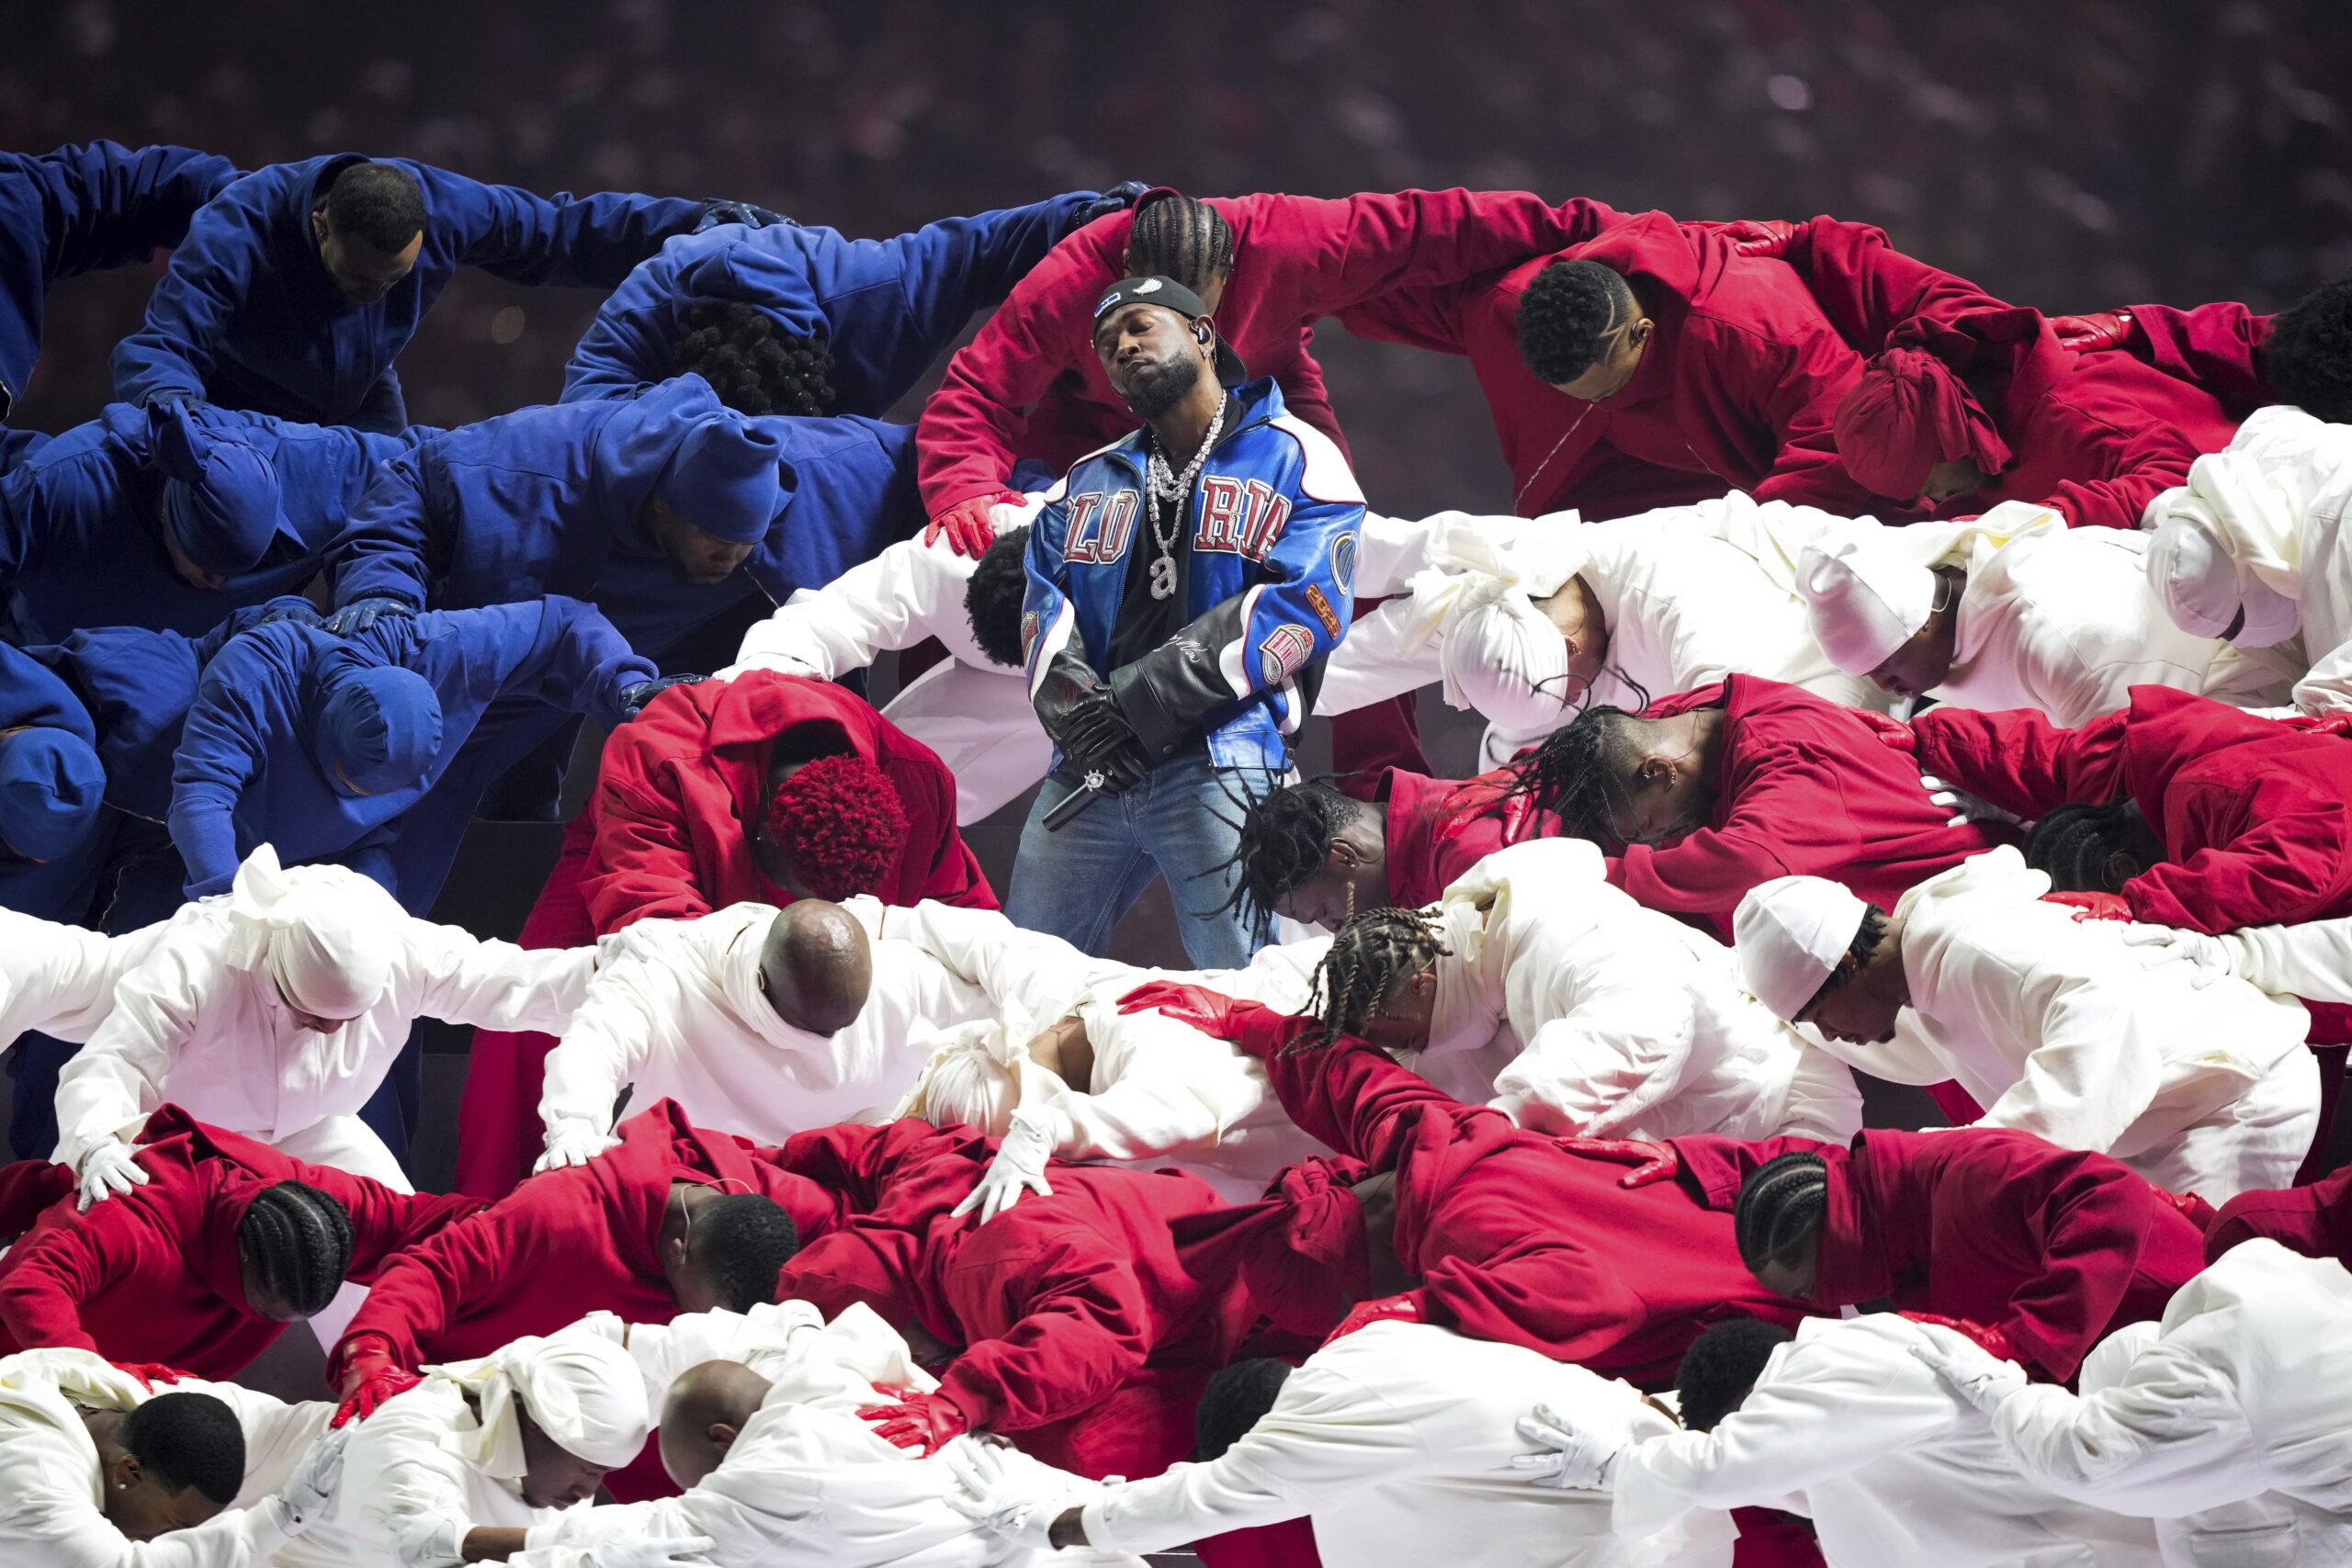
1182	822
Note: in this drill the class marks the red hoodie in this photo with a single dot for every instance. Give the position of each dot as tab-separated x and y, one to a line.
153	1275
1029	385
682	784
1735	390
2055	1247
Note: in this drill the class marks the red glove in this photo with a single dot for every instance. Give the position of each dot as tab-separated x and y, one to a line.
1759	236
966	527
2094	906
1256	1029
1405	1308
1893	733
369	1376
2090	335
923	1421
1991	1340
1652	1162
2193	1209
150	1373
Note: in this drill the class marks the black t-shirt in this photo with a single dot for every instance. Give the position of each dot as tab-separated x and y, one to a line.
1145	622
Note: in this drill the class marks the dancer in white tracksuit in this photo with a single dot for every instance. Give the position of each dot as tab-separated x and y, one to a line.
276	1010
2015	610
1846	1426
2052	1023
2224	1421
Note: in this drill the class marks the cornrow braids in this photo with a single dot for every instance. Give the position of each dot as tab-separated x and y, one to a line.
1367	956
1581	772
754	366
2076	844
1175	236
1781	1205
300	1240
1283	841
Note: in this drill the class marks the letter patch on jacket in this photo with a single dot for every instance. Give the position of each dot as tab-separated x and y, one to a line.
1323	611
1101	527
1286	647
1241	517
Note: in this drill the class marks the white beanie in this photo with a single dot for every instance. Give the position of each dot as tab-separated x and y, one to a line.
2202	582
581	1389
324	934
1789	934
1864	601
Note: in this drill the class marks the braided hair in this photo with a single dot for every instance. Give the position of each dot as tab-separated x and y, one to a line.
1365	959
1582	770
1285	839
752	364
1566	316
297	1240
1782	1206
2075	844
1175	236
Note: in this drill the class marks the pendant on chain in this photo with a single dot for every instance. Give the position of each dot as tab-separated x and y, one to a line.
1163	578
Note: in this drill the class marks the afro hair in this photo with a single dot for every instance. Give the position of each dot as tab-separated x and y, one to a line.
2308	360
1236	1400
753	365
992	599
1722	1366
1567	315
841	823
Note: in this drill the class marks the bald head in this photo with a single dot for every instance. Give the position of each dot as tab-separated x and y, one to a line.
816	967
703	1413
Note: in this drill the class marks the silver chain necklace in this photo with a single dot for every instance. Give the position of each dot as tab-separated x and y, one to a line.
1160	484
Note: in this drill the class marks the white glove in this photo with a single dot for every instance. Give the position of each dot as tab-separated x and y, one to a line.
304	1499
1016	1512
1965	807
2161	945
1565	1457
1020	1162
650	1551
573	1142
107	1170
1972	1371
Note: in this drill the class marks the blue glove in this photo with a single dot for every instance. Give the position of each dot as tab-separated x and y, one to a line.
361	613
714	213
287	608
635	697
1118	198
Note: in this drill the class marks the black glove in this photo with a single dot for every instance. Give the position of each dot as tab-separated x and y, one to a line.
714	213
635	696
1118	198
1082	720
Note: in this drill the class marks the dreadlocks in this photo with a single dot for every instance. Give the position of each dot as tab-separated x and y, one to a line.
1367	956
1583	772
753	365
1177	237
297	1240
1285	839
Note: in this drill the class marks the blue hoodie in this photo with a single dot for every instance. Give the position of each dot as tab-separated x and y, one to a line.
61	887
248	318
545	500
86	209
245	774
887	308
80	539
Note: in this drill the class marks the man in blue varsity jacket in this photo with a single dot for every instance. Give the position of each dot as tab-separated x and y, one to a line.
1182	585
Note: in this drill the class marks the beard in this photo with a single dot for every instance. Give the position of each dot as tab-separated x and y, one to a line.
1157	385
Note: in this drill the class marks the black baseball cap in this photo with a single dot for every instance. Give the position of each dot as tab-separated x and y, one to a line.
1171	295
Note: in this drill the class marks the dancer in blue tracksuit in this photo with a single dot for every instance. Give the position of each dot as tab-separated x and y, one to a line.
356	750
662	511
1183	583
52	786
806	321
175	517
299	284
78	209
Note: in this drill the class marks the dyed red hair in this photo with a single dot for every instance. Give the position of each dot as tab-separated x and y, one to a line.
839	820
